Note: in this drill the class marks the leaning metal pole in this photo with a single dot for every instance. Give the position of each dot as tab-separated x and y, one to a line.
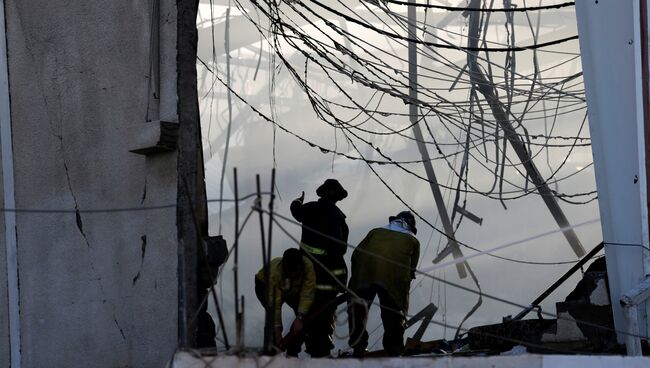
559	282
417	132
238	320
267	310
487	89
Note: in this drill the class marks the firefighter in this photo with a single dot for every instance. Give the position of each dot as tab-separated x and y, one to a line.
324	239
383	265
291	280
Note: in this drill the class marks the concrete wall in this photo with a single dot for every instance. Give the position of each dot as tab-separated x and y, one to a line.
8	304
97	289
4	303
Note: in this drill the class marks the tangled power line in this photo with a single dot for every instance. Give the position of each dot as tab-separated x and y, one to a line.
328	53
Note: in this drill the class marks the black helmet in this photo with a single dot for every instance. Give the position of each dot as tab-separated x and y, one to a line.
332	189
292	260
407	217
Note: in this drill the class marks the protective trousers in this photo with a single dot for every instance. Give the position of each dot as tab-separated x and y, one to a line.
319	330
331	276
392	318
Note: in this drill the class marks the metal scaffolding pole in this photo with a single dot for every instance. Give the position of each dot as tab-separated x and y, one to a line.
428	167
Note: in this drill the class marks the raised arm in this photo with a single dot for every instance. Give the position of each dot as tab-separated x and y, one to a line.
297	208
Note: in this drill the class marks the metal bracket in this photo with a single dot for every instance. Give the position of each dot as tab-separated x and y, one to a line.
425	315
469	215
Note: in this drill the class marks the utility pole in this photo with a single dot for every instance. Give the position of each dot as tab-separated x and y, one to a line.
417	132
191	210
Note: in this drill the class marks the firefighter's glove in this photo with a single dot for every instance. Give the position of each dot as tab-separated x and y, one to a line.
301	198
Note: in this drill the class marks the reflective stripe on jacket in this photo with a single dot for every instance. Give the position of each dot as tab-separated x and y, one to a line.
313	250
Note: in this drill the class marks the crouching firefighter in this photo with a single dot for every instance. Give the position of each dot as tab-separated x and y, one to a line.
383	265
324	240
291	280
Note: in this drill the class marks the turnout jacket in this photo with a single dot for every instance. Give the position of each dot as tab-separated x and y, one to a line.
324	237
324	217
281	288
386	258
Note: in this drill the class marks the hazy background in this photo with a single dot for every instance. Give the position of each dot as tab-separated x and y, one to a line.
255	147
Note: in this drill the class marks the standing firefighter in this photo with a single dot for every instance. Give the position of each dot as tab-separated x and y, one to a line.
324	237
291	280
383	265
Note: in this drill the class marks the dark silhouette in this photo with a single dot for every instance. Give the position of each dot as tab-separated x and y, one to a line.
324	239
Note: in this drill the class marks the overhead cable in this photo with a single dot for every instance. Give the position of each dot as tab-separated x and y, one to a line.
482	10
446	46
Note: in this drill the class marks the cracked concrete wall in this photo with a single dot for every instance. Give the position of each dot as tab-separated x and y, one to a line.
96	289
4	310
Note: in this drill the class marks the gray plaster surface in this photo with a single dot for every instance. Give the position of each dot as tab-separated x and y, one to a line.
96	289
4	307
